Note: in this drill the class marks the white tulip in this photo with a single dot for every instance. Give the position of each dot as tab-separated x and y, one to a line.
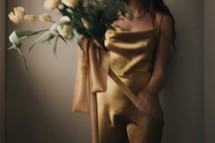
30	18
44	17
51	4
64	30
17	15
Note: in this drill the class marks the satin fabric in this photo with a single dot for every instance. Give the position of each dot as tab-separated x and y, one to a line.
92	65
130	57
124	59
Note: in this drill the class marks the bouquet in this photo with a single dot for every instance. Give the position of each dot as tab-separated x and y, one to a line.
90	18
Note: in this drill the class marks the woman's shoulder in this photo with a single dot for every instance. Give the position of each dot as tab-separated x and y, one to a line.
161	17
162	20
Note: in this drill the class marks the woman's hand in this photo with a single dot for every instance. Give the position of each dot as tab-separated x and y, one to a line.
148	103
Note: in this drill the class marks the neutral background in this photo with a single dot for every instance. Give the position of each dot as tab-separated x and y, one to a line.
209	70
2	68
182	96
39	103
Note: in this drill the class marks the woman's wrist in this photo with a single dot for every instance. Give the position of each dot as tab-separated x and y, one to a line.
149	91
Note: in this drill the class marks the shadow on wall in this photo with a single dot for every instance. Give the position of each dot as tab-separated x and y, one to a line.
39	103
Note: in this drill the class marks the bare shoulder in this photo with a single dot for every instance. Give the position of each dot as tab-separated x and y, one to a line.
164	19
165	22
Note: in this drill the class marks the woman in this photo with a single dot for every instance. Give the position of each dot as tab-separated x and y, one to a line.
139	56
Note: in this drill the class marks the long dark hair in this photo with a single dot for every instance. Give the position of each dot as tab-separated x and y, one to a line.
158	5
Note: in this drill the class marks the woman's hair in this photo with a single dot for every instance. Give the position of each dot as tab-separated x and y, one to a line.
158	5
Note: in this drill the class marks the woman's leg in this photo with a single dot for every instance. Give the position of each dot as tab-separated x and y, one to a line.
111	128
146	130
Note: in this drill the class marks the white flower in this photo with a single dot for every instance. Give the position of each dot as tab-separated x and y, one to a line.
64	30
17	15
44	17
70	3
30	18
51	4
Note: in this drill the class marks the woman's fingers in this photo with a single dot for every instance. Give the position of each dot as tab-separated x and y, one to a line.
149	105
141	100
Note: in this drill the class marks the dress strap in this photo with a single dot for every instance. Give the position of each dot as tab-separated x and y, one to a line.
160	23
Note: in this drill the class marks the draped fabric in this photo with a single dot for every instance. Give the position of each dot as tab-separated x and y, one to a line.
93	65
129	64
132	59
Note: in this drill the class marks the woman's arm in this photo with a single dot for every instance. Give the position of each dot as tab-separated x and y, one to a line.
145	97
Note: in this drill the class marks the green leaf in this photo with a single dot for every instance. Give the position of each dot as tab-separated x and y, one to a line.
17	36
59	23
55	44
76	38
14	39
21	33
26	66
62	38
50	37
47	36
11	47
41	39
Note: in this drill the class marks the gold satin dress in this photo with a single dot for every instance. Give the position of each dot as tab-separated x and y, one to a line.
131	58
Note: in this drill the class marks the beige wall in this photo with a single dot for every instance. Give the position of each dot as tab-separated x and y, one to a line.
39	103
209	71
2	69
182	96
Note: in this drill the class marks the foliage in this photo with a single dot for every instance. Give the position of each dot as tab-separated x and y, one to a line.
91	18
